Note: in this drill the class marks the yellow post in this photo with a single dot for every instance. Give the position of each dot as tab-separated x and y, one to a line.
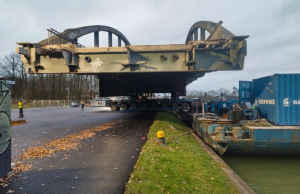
161	137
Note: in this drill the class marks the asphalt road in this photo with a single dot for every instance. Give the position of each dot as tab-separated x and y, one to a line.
102	164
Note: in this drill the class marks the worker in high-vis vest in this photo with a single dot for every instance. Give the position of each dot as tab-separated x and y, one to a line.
82	104
21	108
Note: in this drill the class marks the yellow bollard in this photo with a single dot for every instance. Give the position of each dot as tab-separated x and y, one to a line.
161	137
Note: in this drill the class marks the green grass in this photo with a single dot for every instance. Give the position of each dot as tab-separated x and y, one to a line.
182	167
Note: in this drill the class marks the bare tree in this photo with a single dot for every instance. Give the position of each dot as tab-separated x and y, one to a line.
42	86
11	65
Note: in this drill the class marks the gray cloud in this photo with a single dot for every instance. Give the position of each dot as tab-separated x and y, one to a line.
289	9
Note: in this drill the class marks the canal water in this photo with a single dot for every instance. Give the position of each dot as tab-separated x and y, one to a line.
267	174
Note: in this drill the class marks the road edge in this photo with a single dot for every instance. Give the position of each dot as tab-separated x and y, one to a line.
236	180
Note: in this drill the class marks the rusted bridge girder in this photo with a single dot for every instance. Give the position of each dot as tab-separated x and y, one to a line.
125	70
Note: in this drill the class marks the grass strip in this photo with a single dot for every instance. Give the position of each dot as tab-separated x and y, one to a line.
182	167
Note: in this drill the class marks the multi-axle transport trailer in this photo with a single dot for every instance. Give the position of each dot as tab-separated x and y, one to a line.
125	103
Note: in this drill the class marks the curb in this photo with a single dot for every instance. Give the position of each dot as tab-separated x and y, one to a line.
237	181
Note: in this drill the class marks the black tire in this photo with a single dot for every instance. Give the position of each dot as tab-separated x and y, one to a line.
133	105
114	108
185	105
154	105
143	105
174	104
164	104
124	106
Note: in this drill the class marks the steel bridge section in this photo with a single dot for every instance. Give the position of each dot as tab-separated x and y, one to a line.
126	70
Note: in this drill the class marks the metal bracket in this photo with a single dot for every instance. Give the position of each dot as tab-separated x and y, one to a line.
71	60
215	29
191	65
130	63
128	54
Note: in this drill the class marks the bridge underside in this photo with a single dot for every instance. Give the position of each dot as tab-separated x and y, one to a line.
145	83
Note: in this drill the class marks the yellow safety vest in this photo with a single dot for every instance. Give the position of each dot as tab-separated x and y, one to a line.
82	102
20	105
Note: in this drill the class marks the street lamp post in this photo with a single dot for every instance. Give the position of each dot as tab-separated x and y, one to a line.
68	95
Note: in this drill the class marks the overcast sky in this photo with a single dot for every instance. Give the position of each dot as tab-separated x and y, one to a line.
273	26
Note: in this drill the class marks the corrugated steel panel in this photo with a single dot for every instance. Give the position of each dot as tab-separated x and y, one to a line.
234	101
213	107
278	98
205	106
245	91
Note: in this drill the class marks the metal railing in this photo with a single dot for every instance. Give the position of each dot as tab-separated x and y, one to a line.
33	104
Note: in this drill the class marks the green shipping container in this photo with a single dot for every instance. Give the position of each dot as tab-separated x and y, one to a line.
5	129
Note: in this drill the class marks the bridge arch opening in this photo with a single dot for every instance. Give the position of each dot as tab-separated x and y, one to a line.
88	40
72	35
199	29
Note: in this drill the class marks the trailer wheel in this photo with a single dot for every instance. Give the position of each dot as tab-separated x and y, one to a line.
143	105
164	104
154	105
114	108
133	105
185	105
124	106
174	105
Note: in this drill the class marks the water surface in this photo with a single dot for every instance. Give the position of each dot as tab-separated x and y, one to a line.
267	174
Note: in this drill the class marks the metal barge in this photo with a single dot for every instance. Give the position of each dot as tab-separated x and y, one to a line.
265	121
224	137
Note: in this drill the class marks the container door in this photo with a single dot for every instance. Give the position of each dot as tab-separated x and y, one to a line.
245	91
